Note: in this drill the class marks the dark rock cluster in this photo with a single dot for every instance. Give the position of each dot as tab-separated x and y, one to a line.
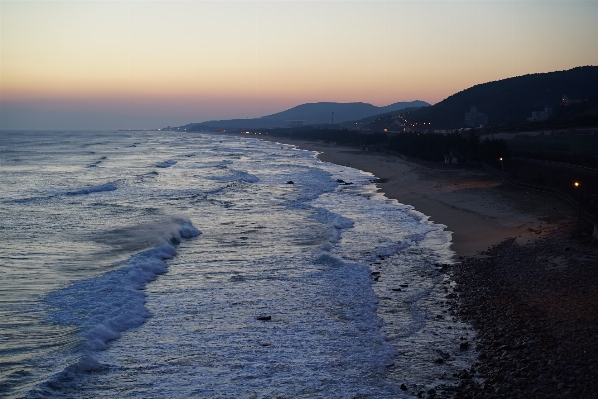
535	310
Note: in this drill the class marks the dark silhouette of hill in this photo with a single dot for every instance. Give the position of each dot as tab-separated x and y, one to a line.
319	113
308	114
511	101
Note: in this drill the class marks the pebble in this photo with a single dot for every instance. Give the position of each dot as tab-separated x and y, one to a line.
536	325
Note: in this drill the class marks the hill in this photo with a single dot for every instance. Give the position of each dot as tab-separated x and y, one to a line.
320	113
308	114
511	101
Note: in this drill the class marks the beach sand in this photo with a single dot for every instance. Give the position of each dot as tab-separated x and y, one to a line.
474	205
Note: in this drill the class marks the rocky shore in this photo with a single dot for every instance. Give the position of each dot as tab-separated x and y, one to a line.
535	310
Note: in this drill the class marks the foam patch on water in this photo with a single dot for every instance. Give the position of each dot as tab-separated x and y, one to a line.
102	308
390	250
336	222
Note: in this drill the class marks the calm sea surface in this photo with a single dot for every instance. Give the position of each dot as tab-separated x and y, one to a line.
163	265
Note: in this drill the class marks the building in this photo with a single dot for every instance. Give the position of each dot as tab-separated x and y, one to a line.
474	118
540	115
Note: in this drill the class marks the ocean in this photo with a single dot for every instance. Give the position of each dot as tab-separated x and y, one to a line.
174	264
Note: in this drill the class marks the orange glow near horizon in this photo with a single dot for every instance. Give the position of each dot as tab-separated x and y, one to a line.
256	58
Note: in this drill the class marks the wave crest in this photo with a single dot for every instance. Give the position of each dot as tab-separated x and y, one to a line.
94	189
107	305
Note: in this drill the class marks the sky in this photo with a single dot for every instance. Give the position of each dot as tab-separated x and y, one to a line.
150	64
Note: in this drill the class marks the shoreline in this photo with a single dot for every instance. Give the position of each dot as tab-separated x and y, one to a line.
473	205
525	278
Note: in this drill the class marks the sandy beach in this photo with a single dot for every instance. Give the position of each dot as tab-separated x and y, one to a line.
474	205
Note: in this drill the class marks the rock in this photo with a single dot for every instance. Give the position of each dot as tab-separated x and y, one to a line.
403	387
439	360
464	346
501	389
464	375
264	318
290	182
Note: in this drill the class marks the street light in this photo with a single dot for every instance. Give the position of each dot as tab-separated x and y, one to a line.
576	184
502	170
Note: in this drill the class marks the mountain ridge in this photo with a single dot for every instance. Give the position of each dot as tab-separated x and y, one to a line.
308	114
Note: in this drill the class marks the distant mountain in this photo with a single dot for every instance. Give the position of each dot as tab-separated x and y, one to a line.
308	114
511	101
319	113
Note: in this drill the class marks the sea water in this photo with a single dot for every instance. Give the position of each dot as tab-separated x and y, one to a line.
169	264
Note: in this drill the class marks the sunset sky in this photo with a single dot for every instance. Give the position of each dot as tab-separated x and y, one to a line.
145	64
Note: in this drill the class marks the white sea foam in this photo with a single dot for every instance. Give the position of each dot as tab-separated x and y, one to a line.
238	176
308	254
392	249
107	305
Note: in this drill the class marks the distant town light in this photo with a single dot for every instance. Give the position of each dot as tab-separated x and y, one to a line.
576	184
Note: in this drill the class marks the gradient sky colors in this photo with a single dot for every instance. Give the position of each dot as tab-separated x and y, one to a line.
143	64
